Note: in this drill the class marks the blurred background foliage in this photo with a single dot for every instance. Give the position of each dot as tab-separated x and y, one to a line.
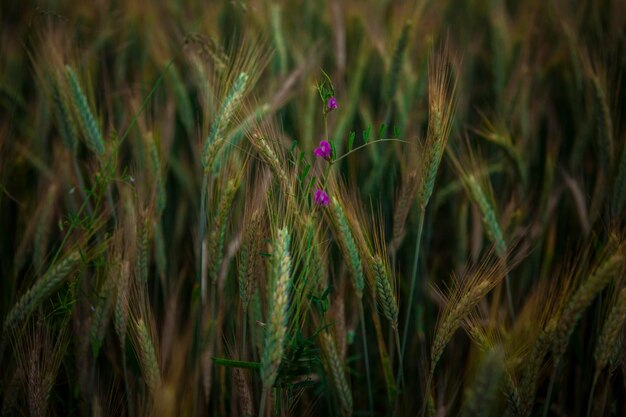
121	250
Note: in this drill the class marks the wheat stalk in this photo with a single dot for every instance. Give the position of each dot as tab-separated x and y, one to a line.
402	208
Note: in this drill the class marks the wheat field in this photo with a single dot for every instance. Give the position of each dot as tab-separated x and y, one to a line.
292	208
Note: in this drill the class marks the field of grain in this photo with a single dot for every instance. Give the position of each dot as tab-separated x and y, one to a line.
312	208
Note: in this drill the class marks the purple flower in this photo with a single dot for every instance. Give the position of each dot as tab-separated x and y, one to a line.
321	198
331	104
323	151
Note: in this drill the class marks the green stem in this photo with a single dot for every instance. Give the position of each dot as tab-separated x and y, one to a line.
262	405
427	393
407	319
326	124
509	295
201	226
201	232
110	201
546	406
81	183
326	175
235	363
245	330
593	389
400	376
366	144
367	362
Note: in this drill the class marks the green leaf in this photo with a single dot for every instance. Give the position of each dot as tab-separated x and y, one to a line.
351	140
310	185
366	134
381	131
304	172
236	364
330	90
396	132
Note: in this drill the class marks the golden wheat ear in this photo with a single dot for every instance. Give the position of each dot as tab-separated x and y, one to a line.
39	347
442	83
465	293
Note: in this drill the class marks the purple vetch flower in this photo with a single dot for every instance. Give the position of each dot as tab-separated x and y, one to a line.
331	104
324	150
321	198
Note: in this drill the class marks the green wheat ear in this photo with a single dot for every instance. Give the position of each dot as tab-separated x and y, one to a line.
396	62
384	291
102	313
147	356
88	124
42	289
218	234
483	392
278	307
582	298
216	138
490	220
336	369
609	340
67	127
349	247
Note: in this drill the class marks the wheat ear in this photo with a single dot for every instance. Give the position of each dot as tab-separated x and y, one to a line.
216	138
582	298
88	123
249	251
336	369
278	308
384	291
147	356
609	339
42	289
349	247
